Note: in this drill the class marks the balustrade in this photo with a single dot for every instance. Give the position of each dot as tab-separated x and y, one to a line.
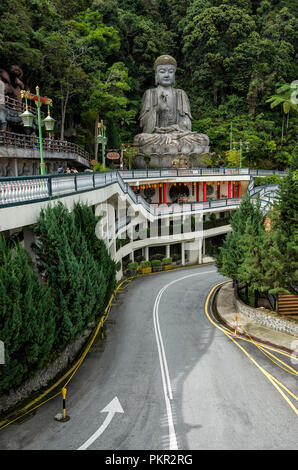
18	190
49	145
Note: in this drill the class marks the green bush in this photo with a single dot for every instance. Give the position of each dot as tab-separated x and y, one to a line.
145	264
167	260
176	257
159	256
264	180
132	266
155	262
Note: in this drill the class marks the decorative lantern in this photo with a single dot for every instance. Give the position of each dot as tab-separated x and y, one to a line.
49	123
27	118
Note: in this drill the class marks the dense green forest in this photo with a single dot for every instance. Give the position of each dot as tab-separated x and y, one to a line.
237	61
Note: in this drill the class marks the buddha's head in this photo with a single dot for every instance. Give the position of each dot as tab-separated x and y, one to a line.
165	68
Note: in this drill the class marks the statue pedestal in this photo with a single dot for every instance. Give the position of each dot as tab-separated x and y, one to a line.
168	150
158	150
168	161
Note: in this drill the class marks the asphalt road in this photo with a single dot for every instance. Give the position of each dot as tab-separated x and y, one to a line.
180	382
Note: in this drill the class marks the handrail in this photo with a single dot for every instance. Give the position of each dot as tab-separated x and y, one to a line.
16	191
32	142
24	189
185	172
19	106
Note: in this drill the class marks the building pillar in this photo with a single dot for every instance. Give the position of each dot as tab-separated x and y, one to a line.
204	191
160	195
132	256
197	191
229	189
164	193
182	253
218	190
239	189
147	253
204	246
168	251
234	189
200	257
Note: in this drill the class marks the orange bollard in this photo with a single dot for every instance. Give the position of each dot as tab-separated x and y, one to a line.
236	327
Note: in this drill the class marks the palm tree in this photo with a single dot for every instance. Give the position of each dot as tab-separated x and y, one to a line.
284	96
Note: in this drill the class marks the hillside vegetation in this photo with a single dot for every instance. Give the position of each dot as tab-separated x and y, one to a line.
237	61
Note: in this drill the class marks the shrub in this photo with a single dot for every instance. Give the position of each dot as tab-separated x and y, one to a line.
167	260
176	257
264	180
159	256
132	266
155	262
145	264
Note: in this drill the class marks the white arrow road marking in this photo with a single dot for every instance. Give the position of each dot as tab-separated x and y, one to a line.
163	360
112	408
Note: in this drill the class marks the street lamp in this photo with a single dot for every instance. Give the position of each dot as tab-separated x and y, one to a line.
240	147
27	119
102	139
49	122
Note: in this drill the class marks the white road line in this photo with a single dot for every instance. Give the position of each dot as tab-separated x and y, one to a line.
163	360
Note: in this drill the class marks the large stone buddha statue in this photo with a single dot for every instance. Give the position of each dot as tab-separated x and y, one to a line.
165	119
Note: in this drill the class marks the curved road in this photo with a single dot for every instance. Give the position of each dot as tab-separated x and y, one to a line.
180	382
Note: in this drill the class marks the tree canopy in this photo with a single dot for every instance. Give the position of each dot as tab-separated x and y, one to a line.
237	61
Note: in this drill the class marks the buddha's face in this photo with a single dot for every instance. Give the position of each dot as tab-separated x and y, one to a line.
165	75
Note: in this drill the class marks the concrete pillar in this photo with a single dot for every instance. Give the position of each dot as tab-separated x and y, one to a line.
182	253
204	246
132	256
200	257
204	191
147	253
168	251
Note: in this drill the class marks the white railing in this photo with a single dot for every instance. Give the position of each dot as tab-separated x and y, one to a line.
15	191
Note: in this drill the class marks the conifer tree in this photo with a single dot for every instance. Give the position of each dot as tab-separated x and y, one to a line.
27	324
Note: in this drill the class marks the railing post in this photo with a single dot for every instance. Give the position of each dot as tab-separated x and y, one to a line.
50	191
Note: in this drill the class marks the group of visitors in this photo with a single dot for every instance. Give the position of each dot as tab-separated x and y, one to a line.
67	171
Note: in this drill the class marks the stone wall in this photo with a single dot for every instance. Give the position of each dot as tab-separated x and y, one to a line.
268	319
45	377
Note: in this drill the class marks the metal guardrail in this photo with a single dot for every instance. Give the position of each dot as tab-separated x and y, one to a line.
49	145
22	190
172	172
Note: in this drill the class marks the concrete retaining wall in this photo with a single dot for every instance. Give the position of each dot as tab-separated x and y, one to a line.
44	377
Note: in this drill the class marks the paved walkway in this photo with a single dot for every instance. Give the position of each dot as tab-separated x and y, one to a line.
227	311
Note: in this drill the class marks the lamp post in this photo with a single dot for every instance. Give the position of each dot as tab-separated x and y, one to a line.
101	139
28	117
240	147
